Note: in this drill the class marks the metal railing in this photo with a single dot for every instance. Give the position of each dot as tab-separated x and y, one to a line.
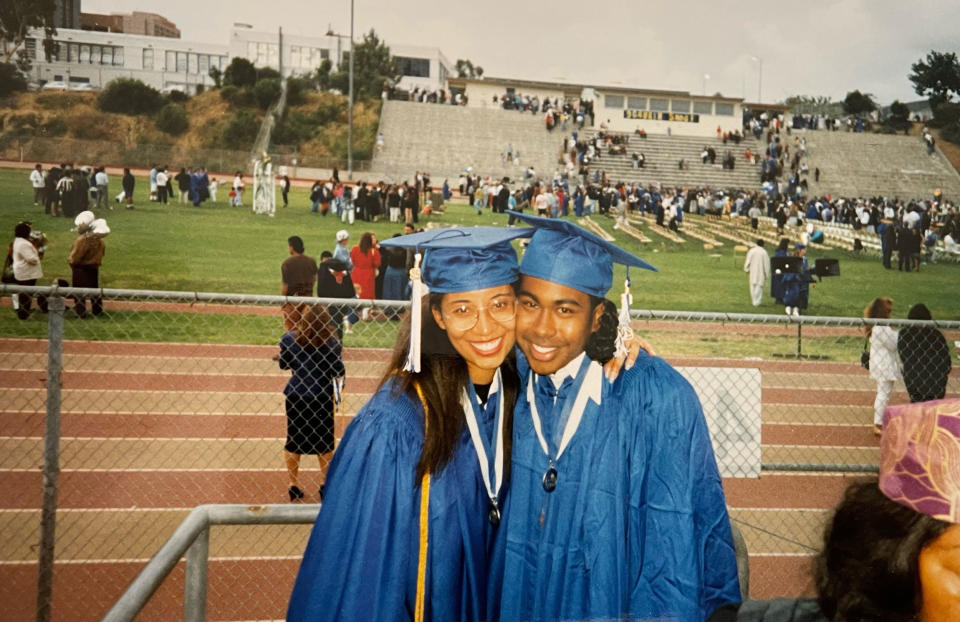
192	539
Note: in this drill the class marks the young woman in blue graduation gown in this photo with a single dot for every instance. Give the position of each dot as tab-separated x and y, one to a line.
366	558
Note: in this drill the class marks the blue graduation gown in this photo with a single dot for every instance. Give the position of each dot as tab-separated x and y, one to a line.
361	560
637	528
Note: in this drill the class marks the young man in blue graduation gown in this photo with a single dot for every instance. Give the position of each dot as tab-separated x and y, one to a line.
615	510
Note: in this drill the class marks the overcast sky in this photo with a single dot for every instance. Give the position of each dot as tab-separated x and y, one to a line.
815	47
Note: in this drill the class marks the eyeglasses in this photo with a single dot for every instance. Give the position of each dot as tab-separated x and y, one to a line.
464	315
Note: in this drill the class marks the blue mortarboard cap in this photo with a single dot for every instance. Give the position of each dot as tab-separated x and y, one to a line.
461	259
561	252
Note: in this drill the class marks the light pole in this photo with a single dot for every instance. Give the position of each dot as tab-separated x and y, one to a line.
706	77
350	109
759	62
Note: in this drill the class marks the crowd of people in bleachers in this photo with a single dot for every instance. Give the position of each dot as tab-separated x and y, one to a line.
424	96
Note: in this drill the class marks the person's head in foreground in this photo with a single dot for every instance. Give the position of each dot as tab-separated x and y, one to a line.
892	550
466	328
565	274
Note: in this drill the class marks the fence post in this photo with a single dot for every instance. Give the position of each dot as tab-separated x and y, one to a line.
195	584
799	340
51	458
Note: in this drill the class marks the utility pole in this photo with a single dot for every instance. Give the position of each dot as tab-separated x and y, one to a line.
350	109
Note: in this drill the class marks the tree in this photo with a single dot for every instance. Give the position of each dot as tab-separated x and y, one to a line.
240	73
466	69
216	75
267	91
372	67
899	116
936	78
810	104
18	17
323	75
856	103
128	96
11	80
172	119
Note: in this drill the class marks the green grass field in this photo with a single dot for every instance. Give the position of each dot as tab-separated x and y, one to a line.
217	248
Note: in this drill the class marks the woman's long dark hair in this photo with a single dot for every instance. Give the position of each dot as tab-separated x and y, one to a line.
869	567
443	373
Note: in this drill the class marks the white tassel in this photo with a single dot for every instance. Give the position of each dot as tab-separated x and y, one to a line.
624	332
419	289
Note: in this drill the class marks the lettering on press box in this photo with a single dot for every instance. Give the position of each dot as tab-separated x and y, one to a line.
649	115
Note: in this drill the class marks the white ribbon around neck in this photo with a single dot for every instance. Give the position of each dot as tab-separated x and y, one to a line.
481	449
590	389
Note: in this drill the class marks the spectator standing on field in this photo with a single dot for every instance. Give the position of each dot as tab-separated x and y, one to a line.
162	186
285	189
128	182
183	185
85	259
26	267
212	189
153	182
298	273
103	192
237	199
757	264
366	261
37	182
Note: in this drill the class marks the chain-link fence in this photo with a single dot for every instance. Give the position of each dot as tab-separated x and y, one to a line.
116	424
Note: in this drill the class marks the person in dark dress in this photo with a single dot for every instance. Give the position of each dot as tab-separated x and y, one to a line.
313	353
128	182
925	355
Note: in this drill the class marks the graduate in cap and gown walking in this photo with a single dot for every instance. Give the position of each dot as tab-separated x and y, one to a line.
615	509
414	492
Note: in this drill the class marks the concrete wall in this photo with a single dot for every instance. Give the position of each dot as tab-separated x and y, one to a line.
642	110
480	95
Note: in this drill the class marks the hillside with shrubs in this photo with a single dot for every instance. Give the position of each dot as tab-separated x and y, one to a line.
132	123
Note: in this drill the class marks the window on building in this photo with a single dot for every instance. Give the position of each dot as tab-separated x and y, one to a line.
171	61
324	54
680	105
30	49
413	67
84	53
613	101
724	110
203	64
118	56
148	58
703	107
107	55
73	53
637	103
659	105
192	63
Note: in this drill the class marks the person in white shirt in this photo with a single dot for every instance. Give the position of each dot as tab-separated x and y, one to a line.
162	180
101	180
36	180
212	189
26	267
238	190
757	265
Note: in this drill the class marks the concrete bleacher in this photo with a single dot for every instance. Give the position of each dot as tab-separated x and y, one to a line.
869	165
663	154
444	140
